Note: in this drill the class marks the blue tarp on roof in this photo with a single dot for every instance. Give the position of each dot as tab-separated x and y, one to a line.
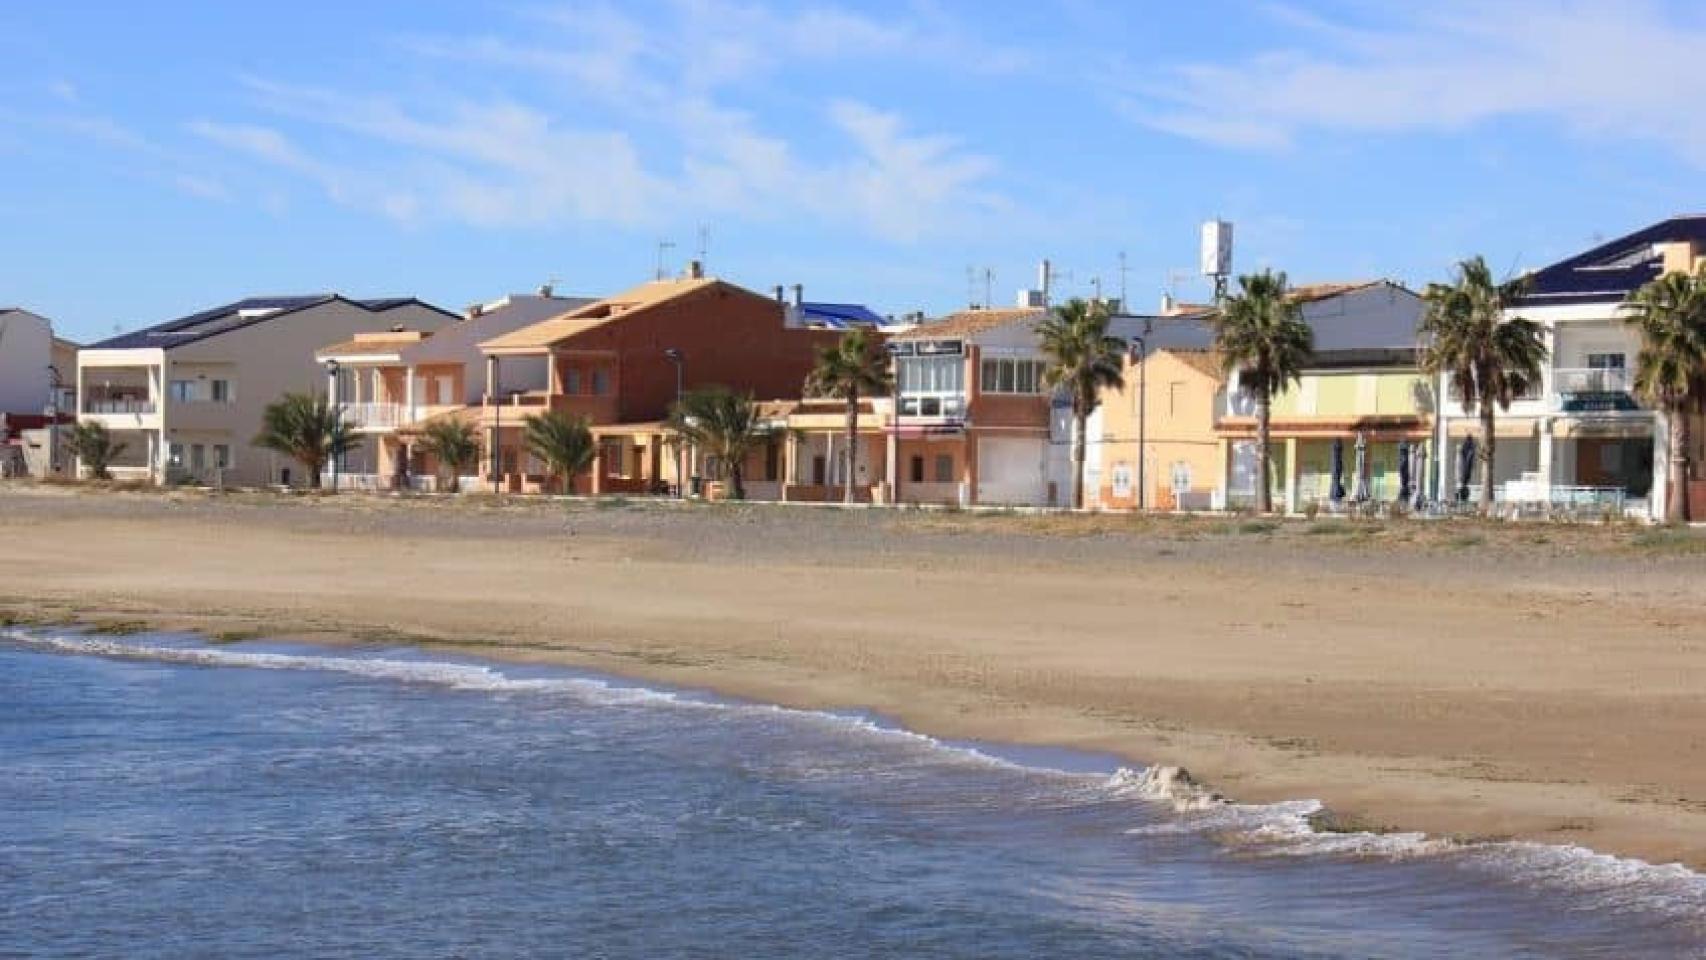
232	316
1612	270
840	316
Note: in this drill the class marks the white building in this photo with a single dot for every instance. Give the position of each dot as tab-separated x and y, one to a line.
186	397
1581	438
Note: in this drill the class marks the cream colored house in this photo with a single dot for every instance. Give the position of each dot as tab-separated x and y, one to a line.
388	382
186	397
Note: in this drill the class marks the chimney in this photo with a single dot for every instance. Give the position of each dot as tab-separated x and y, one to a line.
799	294
781	294
544	289
474	310
695	270
1166	304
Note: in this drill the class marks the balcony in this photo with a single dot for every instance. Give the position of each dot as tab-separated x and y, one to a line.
1582	389
372	416
109	405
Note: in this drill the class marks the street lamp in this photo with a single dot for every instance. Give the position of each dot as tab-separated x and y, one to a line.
58	384
680	360
1141	356
332	367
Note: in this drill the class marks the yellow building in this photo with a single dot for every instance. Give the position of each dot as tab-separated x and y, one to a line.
1169	405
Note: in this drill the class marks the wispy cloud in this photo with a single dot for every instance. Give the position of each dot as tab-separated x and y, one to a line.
637	124
1612	70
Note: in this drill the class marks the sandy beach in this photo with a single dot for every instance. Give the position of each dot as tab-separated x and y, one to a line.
1542	682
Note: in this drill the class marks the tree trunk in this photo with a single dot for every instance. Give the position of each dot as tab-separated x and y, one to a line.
852	446
1676	507
1082	423
1488	439
314	476
735	482
1264	470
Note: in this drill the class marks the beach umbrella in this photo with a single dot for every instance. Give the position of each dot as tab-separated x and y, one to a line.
1337	492
1403	471
1465	468
1360	490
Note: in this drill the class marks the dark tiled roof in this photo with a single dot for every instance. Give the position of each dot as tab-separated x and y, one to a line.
1612	270
235	316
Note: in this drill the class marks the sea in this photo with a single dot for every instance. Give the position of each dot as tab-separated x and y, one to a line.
166	797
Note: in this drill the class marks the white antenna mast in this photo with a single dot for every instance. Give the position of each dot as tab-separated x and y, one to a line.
663	247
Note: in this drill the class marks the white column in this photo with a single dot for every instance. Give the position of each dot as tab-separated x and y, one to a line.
1661	494
409	397
1544	464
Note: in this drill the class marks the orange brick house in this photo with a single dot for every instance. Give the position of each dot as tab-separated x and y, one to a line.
621	362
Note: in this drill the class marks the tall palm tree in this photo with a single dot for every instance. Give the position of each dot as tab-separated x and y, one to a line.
94	445
854	367
564	442
308	429
455	444
1670	369
1490	357
725	425
1082	360
1261	334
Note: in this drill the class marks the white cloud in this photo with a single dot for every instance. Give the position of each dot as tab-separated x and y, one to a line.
1596	69
634	128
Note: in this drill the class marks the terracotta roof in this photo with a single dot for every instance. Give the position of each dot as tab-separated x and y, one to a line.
969	322
1209	362
557	329
366	343
1311	292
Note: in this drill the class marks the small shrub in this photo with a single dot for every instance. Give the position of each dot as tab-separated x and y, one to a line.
1312	509
1258	527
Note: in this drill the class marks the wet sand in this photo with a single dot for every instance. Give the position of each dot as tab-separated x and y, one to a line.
1461	679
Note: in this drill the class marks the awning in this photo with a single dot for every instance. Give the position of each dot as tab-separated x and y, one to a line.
1619	428
1504	428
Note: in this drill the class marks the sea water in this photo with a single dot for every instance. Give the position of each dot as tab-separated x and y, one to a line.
161	797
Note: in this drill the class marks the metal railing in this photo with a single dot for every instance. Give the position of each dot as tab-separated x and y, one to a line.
119	405
372	415
1567	380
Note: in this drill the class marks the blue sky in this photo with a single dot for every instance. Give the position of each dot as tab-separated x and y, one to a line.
155	163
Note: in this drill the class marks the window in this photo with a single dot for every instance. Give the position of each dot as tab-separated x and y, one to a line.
221	456
916	474
1008	375
1606	361
446	391
944	468
611	454
600	382
181	391
571	381
221	390
175	454
932	375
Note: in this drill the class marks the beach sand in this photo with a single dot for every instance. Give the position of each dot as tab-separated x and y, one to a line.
1462	679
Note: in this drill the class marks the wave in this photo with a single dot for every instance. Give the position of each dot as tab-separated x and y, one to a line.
1276	829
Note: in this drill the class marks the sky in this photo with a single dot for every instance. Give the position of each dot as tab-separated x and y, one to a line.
160	158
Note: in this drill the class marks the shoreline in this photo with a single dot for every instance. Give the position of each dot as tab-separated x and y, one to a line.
1253	727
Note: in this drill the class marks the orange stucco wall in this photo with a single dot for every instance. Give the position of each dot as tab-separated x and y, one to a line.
1178	426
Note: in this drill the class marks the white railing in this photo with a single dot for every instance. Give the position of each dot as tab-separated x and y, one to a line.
123	405
1567	380
369	416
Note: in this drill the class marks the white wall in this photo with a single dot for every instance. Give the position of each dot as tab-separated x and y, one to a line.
26	350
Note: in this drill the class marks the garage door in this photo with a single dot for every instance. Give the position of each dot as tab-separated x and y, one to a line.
1010	471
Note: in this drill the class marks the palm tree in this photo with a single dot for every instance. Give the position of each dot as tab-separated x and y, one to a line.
308	429
92	444
1670	370
1082	360
564	442
1490	358
455	444
725	425
854	367
1260	333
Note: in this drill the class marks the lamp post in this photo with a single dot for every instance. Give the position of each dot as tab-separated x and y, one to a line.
58	384
678	358
1141	355
332	368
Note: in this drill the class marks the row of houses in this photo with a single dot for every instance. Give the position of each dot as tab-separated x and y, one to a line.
970	420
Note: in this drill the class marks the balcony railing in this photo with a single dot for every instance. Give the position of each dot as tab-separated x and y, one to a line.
1595	380
118	405
367	416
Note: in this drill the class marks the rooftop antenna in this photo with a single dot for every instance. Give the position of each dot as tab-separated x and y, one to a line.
989	286
704	241
1096	286
971	288
1123	271
663	247
1217	255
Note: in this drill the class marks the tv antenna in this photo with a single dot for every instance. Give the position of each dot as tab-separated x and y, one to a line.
664	246
704	242
1124	308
